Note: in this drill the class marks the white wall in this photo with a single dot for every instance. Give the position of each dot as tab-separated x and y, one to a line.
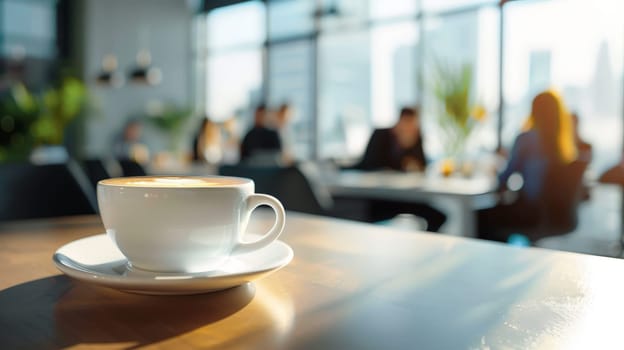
113	26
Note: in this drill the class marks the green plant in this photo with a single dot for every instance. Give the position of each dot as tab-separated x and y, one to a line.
29	120
169	119
457	114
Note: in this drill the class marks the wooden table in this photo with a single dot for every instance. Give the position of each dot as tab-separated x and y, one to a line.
350	286
461	194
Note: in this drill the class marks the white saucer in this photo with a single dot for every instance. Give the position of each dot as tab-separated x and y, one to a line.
97	260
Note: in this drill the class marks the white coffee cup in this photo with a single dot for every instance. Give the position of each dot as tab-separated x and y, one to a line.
182	224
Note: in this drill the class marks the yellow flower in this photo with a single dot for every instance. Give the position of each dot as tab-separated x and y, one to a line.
447	167
479	113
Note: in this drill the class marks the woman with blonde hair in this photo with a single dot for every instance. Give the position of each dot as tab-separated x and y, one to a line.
207	142
545	146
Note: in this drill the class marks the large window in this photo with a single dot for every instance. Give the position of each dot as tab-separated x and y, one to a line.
344	93
290	18
291	82
348	66
445	5
468	38
390	9
366	76
234	82
394	74
581	57
233	69
28	28
340	15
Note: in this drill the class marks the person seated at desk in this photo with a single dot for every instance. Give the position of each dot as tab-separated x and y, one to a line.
585	149
542	150
396	148
399	148
283	116
614	175
261	144
206	145
585	152
128	145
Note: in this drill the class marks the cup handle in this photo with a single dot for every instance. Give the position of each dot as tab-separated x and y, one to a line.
253	201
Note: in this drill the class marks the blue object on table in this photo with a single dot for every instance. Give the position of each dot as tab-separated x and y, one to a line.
519	240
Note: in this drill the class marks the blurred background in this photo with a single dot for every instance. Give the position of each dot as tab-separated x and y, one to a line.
74	74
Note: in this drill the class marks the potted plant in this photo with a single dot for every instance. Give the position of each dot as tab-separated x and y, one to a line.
32	122
170	119
457	114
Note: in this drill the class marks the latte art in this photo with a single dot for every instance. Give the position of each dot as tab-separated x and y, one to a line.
174	181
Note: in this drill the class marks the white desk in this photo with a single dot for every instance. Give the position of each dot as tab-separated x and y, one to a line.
464	194
459	195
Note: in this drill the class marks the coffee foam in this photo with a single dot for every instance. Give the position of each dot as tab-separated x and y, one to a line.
174	181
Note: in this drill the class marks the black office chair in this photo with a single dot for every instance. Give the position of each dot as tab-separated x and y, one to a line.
131	168
615	176
560	201
288	184
95	170
29	191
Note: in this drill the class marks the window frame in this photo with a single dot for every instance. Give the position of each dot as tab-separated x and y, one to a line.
420	17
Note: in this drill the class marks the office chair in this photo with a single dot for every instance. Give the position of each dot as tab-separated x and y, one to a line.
288	184
560	201
131	168
29	191
95	170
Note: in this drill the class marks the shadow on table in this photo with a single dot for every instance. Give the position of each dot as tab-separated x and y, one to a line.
57	312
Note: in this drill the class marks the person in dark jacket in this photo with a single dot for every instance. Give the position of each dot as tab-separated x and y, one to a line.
396	148
399	148
261	142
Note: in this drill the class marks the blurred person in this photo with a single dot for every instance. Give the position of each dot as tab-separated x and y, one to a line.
261	144
283	116
614	175
399	147
585	151
207	142
543	149
230	141
128	144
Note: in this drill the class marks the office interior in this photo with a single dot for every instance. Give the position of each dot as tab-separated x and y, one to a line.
345	67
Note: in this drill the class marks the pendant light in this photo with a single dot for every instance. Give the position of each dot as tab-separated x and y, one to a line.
109	75
144	72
